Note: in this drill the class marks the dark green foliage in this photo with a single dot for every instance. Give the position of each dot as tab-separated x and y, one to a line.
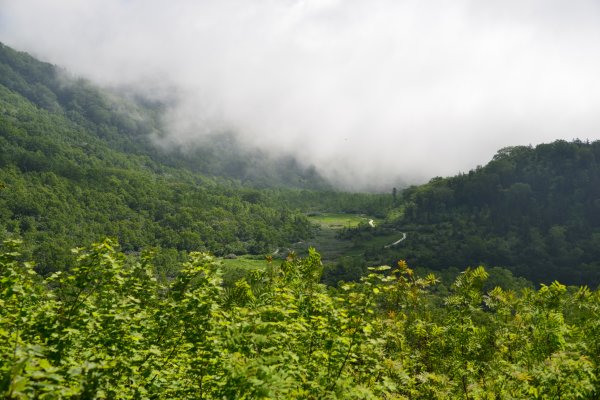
110	329
373	204
535	211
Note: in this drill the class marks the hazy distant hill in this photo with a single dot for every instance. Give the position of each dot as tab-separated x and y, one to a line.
533	210
126	122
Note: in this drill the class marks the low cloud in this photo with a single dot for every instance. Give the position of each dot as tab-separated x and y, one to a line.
372	93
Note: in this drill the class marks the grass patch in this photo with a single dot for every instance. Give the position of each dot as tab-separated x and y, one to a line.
244	262
338	220
235	269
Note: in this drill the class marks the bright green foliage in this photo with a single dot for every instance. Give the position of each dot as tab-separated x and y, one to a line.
109	329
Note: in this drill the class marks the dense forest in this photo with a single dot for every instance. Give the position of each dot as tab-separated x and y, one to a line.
154	311
533	210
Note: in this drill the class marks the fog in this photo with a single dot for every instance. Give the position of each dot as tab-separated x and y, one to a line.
373	93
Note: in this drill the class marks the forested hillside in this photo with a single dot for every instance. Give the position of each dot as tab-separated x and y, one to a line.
129	122
534	210
76	167
78	164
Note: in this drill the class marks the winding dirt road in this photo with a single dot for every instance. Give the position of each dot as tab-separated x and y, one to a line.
396	242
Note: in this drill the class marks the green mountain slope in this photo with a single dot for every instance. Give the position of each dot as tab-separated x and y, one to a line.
76	167
126	122
535	211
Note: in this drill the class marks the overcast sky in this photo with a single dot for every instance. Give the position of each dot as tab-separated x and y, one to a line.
367	90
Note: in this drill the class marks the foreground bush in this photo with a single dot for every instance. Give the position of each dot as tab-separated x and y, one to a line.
110	329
